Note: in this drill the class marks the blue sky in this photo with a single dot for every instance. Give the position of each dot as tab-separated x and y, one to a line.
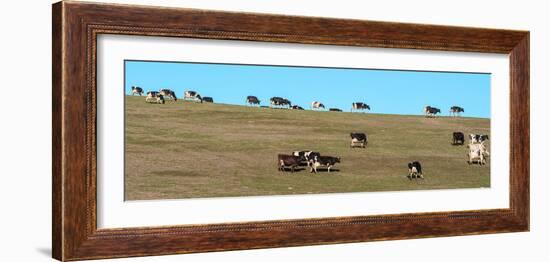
386	91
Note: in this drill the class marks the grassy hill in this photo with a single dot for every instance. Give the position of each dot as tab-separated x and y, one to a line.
186	149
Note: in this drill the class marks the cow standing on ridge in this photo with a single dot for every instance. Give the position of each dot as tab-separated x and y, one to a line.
456	110
317	105
167	93
280	102
136	90
359	106
192	95
252	100
154	97
431	111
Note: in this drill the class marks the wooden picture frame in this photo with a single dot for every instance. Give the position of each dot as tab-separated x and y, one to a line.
76	26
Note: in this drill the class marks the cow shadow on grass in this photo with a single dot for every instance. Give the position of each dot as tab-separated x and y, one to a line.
305	169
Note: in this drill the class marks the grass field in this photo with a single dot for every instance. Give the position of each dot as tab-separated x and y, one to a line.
189	150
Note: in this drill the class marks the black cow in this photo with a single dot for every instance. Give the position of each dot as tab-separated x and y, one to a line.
287	160
415	170
431	111
458	138
328	161
252	100
279	101
137	90
359	106
358	138
297	107
208	99
335	109
456	110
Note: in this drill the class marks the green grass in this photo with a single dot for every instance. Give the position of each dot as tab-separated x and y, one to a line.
189	150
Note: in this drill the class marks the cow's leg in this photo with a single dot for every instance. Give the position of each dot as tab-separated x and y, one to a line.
328	168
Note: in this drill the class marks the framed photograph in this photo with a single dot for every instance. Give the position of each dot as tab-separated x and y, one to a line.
182	130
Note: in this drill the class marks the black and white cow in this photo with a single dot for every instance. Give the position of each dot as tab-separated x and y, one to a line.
136	90
297	107
456	110
306	156
431	111
359	139
279	102
287	160
359	106
476	139
415	170
192	95
458	138
167	93
208	99
154	97
252	100
317	105
335	109
327	161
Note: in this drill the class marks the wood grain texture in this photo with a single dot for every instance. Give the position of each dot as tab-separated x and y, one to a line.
76	26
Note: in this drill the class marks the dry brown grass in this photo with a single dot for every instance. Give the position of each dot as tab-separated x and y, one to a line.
187	150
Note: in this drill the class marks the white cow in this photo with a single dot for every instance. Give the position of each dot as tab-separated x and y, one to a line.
477	153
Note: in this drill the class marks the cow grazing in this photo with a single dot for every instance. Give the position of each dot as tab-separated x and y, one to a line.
167	93
208	99
297	107
458	138
327	161
477	153
287	160
136	90
415	170
359	139
252	100
279	102
476	139
306	156
456	110
317	105
154	97
192	95
335	109
431	111
359	106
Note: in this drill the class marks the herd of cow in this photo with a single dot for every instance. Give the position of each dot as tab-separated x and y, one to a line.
478	152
